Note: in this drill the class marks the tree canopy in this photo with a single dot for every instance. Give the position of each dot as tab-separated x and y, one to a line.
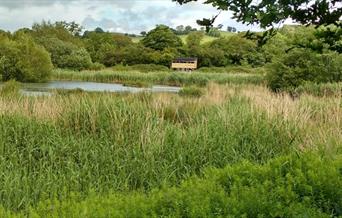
268	12
161	38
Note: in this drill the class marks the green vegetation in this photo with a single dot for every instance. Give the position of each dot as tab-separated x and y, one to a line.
323	89
281	188
191	91
98	154
10	88
161	38
255	132
300	66
161	78
23	60
293	56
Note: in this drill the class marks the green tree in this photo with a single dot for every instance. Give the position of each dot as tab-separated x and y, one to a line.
161	38
99	30
43	30
194	39
74	28
121	40
237	49
97	44
302	65
266	13
66	54
23	60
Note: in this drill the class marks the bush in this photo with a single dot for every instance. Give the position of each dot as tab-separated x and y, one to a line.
66	54
23	60
191	91
96	66
237	50
301	66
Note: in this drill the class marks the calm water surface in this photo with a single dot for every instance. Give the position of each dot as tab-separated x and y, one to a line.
45	88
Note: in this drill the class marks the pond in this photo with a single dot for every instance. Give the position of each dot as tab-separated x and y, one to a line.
45	88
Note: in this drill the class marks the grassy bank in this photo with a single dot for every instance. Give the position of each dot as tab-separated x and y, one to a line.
160	78
55	147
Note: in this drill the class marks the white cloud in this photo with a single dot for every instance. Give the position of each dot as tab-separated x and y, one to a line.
114	15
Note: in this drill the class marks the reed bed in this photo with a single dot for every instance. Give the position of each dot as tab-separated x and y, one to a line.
160	78
319	118
56	146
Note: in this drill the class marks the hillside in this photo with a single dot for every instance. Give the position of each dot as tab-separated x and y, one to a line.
183	37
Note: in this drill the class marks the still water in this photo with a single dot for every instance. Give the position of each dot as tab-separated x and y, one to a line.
45	88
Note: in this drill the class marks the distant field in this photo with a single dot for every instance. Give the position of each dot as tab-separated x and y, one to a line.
183	37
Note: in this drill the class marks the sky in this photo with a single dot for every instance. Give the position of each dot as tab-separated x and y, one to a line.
128	16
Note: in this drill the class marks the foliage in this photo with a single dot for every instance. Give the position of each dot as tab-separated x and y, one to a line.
181	30
23	60
289	186
161	38
191	91
66	54
266	13
96	66
66	50
193	40
214	32
237	50
57	30
74	28
300	66
100	46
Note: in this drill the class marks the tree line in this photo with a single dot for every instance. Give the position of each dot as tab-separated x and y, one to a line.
294	54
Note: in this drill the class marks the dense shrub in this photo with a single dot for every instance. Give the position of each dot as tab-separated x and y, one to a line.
302	65
23	60
137	54
97	66
66	54
237	50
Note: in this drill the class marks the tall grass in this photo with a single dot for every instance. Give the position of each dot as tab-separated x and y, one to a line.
323	89
303	185
161	78
114	143
52	147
